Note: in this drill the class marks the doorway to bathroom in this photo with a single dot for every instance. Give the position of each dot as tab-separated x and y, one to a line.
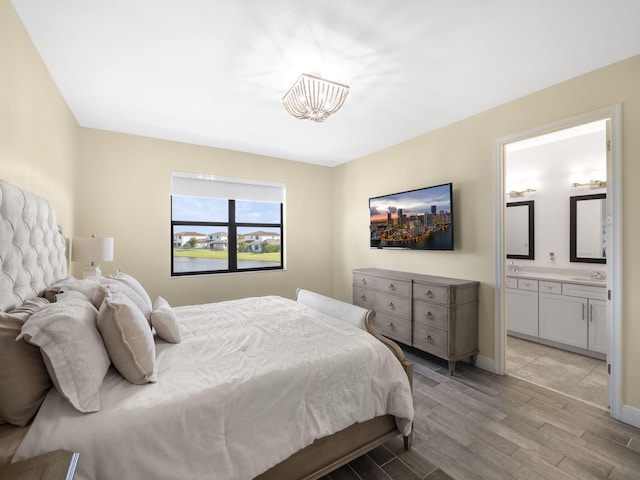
556	322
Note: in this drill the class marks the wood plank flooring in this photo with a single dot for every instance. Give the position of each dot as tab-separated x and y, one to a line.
477	425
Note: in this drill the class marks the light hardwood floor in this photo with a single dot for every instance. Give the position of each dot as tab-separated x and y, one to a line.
477	425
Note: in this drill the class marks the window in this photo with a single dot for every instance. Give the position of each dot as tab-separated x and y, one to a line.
222	225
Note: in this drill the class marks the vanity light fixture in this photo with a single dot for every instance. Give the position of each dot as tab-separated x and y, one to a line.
314	98
596	180
519	193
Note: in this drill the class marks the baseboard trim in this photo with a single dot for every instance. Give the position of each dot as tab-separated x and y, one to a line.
488	364
630	415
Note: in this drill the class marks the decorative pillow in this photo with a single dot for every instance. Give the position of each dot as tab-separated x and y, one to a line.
128	338
130	287
24	381
86	286
164	320
72	349
51	291
68	294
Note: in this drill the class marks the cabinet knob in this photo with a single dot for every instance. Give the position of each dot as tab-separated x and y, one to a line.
429	293
428	339
363	281
391	326
429	315
391	305
363	298
392	286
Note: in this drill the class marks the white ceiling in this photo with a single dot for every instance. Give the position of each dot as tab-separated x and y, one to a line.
213	72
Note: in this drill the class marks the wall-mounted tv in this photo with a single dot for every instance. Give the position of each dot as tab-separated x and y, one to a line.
420	219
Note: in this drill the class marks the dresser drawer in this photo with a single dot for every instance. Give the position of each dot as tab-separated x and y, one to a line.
431	314
396	328
430	339
393	305
393	286
362	281
363	297
431	293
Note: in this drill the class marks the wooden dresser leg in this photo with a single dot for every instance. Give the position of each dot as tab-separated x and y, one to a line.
452	367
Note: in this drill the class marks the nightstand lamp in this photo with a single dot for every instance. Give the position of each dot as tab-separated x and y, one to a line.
91	250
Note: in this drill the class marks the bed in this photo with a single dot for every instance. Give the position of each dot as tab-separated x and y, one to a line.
260	387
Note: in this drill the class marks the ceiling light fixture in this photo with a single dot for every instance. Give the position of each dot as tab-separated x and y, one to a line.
314	98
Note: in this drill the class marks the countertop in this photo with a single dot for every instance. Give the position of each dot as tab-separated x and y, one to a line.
559	277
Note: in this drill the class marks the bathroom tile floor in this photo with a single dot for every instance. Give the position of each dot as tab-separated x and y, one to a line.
581	377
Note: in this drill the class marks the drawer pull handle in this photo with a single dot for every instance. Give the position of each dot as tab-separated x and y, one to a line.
429	315
363	281
392	326
428	339
363	298
392	287
391	305
429	293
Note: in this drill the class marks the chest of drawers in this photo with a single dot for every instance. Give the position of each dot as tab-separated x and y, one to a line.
438	315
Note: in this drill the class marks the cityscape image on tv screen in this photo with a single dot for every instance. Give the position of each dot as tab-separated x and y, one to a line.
417	219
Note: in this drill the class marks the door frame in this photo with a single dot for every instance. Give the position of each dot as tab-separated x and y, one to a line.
613	113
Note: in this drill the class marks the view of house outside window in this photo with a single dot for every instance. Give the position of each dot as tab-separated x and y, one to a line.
214	235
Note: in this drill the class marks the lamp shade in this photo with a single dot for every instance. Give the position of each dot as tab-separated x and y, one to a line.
92	249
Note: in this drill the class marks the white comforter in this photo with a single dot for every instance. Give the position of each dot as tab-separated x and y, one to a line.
253	381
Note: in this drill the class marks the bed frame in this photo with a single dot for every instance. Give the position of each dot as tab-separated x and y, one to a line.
33	257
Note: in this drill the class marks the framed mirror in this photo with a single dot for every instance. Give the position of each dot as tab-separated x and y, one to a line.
588	228
519	230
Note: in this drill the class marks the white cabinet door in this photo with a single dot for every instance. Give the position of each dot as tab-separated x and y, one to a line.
563	319
598	328
522	311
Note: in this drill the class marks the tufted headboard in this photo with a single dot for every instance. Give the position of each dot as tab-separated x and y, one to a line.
32	247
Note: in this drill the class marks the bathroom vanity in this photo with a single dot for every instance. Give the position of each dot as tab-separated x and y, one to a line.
562	311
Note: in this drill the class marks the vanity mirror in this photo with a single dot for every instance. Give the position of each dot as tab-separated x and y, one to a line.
588	228
519	230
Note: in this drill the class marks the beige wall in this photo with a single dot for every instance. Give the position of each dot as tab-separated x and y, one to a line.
124	187
463	153
38	134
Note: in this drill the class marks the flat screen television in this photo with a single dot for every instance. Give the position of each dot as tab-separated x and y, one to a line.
420	219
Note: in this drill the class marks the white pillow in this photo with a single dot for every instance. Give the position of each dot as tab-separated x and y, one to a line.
128	338
164	320
72	349
86	286
130	287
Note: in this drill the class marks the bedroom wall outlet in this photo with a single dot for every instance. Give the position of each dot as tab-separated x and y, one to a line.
552	256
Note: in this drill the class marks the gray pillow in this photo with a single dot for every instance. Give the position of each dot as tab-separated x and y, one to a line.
128	338
72	349
24	380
